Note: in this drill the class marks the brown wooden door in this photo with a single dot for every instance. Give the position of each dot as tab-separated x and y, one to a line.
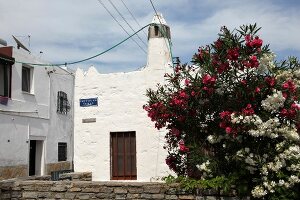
123	155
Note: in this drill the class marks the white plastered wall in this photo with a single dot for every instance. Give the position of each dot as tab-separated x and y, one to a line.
121	97
31	116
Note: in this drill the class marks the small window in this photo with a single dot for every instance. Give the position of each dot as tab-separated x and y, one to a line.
5	80
27	79
62	151
156	30
63	106
123	156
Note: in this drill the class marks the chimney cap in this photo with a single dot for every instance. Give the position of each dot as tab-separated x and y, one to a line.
159	19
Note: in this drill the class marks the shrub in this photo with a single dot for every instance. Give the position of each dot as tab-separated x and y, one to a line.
233	114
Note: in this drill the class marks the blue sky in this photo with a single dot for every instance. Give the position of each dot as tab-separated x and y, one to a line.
71	30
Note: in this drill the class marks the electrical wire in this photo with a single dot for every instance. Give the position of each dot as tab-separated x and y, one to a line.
133	17
83	60
113	5
120	25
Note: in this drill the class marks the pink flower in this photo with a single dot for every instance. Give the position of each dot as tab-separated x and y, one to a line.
248	110
175	132
254	62
228	130
218	43
257	43
187	82
290	85
244	82
223	67
183	95
248	38
295	106
225	115
270	81
285	85
222	124
257	90
284	112
233	54
182	146
207	79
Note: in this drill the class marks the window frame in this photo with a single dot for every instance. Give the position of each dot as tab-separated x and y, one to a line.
8	83
29	72
62	156
126	174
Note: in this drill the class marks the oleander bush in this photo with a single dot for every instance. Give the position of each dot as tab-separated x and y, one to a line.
233	117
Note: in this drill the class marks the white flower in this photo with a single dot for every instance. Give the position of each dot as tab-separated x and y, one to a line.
250	161
264	170
204	167
266	62
258	192
281	182
212	139
273	102
294	179
289	132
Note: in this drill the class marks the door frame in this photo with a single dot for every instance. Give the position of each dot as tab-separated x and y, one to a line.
39	154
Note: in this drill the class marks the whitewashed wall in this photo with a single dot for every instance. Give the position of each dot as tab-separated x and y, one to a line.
61	127
121	97
25	114
32	116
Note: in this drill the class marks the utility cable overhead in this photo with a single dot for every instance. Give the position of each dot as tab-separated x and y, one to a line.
121	26
79	61
134	17
113	5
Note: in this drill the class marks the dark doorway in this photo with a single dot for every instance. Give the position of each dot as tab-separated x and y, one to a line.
32	153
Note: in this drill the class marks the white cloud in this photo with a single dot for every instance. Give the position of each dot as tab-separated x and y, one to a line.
74	29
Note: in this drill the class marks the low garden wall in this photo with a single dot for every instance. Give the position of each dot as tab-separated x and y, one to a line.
77	189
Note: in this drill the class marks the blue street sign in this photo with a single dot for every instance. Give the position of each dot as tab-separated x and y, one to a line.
88	102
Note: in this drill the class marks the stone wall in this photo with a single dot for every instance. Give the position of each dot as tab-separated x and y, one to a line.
13	171
28	189
8	172
58	166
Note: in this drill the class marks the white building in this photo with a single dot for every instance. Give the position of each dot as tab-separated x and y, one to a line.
113	136
36	115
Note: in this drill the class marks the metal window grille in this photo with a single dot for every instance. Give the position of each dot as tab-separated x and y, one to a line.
63	106
62	151
123	156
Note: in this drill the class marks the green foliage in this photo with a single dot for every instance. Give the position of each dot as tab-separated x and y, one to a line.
190	184
233	118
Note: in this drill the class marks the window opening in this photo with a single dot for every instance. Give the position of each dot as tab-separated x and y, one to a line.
63	106
62	151
156	30
26	79
5	80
